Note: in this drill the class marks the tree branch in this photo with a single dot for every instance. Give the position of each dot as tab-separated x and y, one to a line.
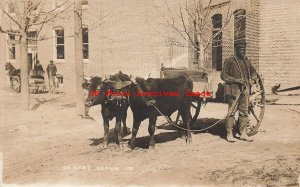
10	17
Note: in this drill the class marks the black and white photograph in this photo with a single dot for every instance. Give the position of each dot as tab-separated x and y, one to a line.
150	93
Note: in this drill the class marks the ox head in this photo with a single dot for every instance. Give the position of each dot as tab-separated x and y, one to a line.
94	87
101	91
117	86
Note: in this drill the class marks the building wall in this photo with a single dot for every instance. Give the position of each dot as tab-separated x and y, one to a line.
252	31
130	39
252	36
279	59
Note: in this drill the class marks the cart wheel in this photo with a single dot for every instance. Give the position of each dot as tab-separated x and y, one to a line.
16	84
44	89
256	106
195	110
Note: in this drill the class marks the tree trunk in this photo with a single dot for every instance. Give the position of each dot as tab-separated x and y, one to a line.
25	96
79	58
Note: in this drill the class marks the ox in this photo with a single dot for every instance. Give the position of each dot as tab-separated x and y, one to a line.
145	106
115	107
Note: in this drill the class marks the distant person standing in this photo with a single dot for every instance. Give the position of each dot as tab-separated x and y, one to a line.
38	70
51	72
38	66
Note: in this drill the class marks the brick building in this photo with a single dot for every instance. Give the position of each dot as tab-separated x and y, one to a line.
272	36
279	55
128	35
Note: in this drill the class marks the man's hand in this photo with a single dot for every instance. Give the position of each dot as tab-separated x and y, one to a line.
242	81
252	81
150	103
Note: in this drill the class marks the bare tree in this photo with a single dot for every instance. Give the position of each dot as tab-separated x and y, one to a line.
191	21
29	15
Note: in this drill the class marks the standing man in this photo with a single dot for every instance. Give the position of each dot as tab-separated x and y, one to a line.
39	70
38	66
239	75
51	72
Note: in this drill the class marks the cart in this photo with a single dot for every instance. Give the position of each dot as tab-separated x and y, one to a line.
37	82
202	83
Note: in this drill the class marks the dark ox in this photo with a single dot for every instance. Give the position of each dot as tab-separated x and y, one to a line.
111	106
142	107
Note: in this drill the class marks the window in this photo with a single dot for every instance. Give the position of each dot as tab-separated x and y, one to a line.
60	43
85	43
32	38
239	24
11	8
84	4
217	42
197	45
11	47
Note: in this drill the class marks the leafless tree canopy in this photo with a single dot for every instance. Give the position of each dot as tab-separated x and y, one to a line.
32	15
192	21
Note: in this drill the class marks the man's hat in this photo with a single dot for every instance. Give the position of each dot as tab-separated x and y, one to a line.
240	43
51	61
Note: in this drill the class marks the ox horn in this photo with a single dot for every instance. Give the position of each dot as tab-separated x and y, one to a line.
87	78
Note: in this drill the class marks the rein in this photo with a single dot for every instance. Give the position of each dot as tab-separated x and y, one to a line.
182	128
201	130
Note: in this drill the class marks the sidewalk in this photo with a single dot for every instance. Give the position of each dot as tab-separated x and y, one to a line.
283	99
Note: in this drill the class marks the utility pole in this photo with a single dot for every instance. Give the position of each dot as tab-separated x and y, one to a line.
79	57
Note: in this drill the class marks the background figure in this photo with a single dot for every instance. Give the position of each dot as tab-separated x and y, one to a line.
38	66
51	72
38	71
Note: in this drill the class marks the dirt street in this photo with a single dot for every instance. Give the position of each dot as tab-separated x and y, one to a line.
50	145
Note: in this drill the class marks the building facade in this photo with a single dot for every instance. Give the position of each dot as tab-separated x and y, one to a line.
130	35
271	33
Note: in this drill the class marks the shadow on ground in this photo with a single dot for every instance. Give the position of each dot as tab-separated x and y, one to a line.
217	130
112	138
141	142
163	137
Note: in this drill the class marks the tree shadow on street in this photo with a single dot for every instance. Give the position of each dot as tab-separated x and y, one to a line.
41	101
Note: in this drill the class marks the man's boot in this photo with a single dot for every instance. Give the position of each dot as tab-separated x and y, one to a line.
229	127
243	121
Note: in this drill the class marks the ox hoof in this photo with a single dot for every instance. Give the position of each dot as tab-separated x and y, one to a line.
188	137
132	144
131	147
188	140
152	144
103	145
122	145
152	147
